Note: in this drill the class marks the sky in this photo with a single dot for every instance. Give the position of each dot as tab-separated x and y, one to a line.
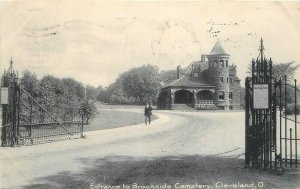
95	41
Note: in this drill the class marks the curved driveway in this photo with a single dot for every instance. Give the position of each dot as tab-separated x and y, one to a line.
173	134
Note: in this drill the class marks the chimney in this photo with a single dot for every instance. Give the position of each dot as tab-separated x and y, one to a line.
203	57
178	72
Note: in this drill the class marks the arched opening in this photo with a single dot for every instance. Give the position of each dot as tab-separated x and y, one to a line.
222	63
162	100
183	97
216	63
205	100
205	95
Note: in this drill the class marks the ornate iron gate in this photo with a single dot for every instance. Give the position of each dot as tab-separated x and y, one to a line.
287	121
266	106
25	121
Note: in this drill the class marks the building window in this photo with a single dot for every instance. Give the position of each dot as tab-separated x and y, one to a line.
227	79
216	63
222	63
230	107
221	95
230	95
196	74
226	63
222	79
230	80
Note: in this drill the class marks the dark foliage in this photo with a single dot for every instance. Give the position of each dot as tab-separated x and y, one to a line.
65	99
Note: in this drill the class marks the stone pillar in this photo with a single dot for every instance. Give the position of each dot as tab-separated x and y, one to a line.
172	92
195	97
165	100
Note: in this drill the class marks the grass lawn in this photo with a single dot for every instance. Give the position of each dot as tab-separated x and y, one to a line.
113	106
109	117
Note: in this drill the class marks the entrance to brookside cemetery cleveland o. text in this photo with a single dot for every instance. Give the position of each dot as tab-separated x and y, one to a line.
271	133
28	119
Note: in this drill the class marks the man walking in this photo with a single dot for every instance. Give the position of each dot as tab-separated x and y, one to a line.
148	113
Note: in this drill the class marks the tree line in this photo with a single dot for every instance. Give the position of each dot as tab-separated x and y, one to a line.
137	86
65	98
279	71
133	87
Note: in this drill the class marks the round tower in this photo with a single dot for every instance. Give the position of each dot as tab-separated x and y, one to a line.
218	75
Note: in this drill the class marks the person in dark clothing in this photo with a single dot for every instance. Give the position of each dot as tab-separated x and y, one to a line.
148	113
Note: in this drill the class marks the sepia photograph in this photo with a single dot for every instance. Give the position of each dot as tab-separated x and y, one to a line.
149	94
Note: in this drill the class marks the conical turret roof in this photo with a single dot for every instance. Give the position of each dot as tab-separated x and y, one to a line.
218	49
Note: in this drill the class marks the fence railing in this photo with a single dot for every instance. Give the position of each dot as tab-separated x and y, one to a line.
27	119
49	132
205	102
205	105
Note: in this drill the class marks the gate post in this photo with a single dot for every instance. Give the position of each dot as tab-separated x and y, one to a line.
5	107
247	161
81	129
260	129
274	117
10	110
296	112
14	111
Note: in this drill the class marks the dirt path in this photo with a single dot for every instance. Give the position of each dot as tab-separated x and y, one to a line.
179	147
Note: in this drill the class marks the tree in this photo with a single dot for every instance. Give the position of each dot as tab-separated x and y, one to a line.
282	69
288	69
143	83
62	98
91	92
116	93
89	110
137	85
168	76
101	94
279	71
30	82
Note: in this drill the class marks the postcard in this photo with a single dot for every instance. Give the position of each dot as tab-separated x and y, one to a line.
149	94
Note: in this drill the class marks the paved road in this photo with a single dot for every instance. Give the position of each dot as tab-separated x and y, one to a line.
177	147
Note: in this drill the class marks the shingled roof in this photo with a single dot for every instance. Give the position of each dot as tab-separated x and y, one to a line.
218	49
186	80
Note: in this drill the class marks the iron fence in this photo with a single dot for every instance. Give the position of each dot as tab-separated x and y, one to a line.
274	125
26	121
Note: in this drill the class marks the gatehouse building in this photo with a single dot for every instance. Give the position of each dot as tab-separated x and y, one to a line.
211	83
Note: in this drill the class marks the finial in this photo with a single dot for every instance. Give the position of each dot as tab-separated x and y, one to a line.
11	61
11	66
261	45
261	51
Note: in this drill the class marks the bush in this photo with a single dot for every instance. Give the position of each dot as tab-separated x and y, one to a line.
89	110
290	109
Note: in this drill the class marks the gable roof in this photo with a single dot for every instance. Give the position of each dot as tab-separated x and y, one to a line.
186	80
218	49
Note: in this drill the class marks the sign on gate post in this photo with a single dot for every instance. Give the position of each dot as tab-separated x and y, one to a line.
261	96
4	95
